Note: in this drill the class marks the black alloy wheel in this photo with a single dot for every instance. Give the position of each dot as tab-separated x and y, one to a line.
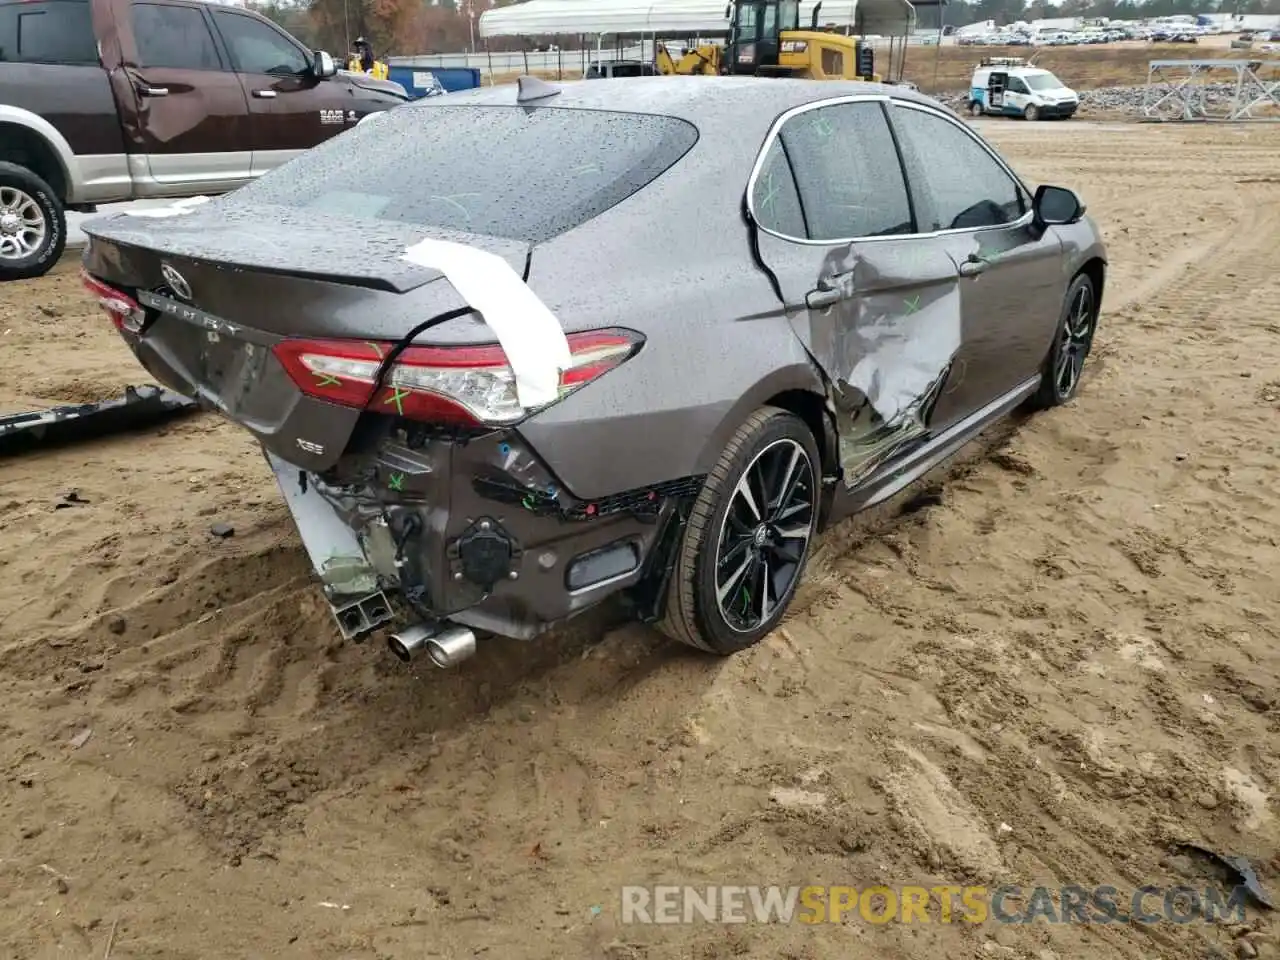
1063	367
1074	341
764	535
749	534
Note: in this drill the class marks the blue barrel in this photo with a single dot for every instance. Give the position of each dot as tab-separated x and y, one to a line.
417	81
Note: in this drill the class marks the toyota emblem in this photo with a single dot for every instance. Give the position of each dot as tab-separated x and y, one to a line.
176	281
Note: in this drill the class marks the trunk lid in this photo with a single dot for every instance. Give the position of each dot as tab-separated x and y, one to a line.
220	288
284	241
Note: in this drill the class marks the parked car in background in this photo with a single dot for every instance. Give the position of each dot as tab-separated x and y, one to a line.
610	69
110	100
496	392
1009	86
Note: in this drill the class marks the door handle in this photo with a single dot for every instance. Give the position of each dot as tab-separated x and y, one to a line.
817	299
265	94
830	291
973	266
149	91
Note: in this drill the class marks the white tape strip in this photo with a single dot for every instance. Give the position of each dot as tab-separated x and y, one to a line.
175	209
529	333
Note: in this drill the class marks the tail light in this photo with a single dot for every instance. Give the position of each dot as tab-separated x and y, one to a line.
124	311
471	385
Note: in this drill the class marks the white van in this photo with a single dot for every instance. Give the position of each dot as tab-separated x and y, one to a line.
1007	86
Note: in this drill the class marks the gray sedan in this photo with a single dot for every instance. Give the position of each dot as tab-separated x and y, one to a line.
499	382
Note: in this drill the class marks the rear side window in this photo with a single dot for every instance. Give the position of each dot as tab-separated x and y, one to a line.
509	172
775	203
56	31
847	169
173	37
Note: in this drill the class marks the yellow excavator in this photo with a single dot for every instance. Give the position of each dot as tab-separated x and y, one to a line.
702	60
765	39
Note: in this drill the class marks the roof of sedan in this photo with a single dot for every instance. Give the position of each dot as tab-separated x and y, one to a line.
690	98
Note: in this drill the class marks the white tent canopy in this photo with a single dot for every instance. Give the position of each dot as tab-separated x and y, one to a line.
676	18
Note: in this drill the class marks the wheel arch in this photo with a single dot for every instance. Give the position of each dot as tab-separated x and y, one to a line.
811	407
1095	268
31	141
797	388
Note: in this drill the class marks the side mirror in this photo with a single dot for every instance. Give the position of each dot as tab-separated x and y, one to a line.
322	64
1056	206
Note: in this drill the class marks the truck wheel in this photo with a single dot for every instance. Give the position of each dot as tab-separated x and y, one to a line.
1031	113
33	227
748	537
975	108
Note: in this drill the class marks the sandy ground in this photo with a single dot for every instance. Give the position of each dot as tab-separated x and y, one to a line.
1065	664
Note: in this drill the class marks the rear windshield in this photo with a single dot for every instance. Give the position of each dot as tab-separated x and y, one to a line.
510	172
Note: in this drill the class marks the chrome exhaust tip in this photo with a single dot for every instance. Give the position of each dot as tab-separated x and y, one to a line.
445	648
410	643
451	646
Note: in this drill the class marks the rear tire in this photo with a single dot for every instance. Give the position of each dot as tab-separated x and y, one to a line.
975	108
33	227
1072	341
743	553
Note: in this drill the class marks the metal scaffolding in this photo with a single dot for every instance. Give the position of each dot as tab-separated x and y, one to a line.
1201	90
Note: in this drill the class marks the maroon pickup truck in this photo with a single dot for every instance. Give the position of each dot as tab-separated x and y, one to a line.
110	100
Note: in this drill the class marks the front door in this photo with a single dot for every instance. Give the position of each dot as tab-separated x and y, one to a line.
290	107
1016	96
1011	283
753	40
876	307
193	123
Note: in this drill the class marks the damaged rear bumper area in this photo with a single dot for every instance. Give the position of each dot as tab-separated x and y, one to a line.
451	536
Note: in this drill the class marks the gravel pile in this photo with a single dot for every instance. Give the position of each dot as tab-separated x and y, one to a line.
1215	97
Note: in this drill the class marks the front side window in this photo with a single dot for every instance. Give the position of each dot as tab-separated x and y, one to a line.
557	169
966	187
1043	81
174	37
256	48
1017	86
56	31
847	171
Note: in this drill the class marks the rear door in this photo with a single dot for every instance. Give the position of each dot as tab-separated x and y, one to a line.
193	121
49	68
876	305
290	109
1012	290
